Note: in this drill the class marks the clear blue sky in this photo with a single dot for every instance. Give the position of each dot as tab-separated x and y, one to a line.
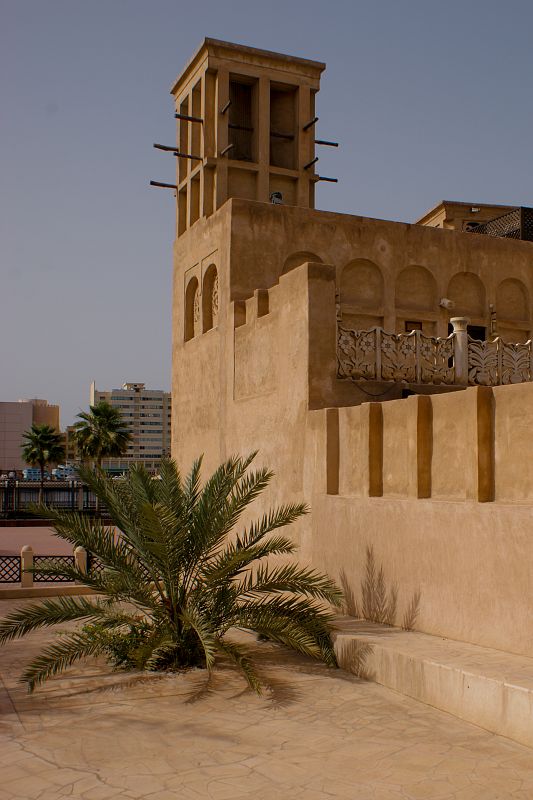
429	100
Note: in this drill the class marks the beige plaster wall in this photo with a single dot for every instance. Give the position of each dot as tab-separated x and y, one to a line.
415	265
199	365
406	476
513	443
399	431
470	562
453	436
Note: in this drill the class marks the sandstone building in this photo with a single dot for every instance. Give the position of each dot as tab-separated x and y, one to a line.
292	327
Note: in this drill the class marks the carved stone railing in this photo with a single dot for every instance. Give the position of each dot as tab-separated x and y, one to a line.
498	362
375	355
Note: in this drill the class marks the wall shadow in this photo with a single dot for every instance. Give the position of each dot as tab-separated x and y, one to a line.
377	601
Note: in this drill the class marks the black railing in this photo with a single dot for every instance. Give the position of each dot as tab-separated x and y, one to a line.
94	565
10	569
19	497
51	561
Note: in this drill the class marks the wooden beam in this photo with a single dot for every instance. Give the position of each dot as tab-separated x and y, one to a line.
163	185
310	123
187	118
166	147
277	135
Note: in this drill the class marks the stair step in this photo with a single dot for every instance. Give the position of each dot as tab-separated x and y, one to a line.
490	688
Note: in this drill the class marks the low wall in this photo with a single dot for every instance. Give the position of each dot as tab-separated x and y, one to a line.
469	562
475	444
441	489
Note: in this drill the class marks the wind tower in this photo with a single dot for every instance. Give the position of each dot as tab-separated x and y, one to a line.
246	128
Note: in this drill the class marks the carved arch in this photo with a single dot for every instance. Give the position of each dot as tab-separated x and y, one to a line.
296	259
210	298
467	291
416	290
192	309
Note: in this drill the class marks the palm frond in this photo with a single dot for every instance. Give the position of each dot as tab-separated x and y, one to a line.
307	631
169	490
59	656
235	559
174	555
223	499
50	612
242	658
290	578
206	636
272	520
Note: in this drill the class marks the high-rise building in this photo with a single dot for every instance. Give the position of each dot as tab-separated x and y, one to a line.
147	414
15	419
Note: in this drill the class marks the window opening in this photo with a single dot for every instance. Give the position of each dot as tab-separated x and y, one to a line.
240	125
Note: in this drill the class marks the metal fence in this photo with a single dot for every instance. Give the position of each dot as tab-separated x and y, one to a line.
27	568
51	561
21	495
10	571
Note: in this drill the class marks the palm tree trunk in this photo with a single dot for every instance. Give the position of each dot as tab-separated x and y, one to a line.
99	466
41	487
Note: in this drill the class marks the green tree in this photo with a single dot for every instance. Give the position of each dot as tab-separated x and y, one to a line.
182	574
42	446
101	433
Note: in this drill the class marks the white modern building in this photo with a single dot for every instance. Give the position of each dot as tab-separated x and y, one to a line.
147	414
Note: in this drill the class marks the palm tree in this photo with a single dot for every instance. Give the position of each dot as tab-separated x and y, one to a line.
180	577
43	446
101	433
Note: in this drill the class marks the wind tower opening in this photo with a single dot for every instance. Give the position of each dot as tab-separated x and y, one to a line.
246	128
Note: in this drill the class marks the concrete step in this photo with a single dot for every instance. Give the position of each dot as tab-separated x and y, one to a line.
490	688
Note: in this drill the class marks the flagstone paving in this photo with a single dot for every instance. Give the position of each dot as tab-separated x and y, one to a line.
318	734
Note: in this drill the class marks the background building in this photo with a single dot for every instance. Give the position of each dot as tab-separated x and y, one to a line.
16	418
147	413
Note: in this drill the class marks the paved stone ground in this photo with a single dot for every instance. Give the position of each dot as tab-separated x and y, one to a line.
319	734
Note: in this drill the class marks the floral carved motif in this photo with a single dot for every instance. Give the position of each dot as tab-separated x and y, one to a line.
409	358
498	362
356	354
196	310
214	300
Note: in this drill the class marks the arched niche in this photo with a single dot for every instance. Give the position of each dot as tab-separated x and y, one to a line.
416	290
512	301
296	259
362	286
192	309
361	294
468	293
210	298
